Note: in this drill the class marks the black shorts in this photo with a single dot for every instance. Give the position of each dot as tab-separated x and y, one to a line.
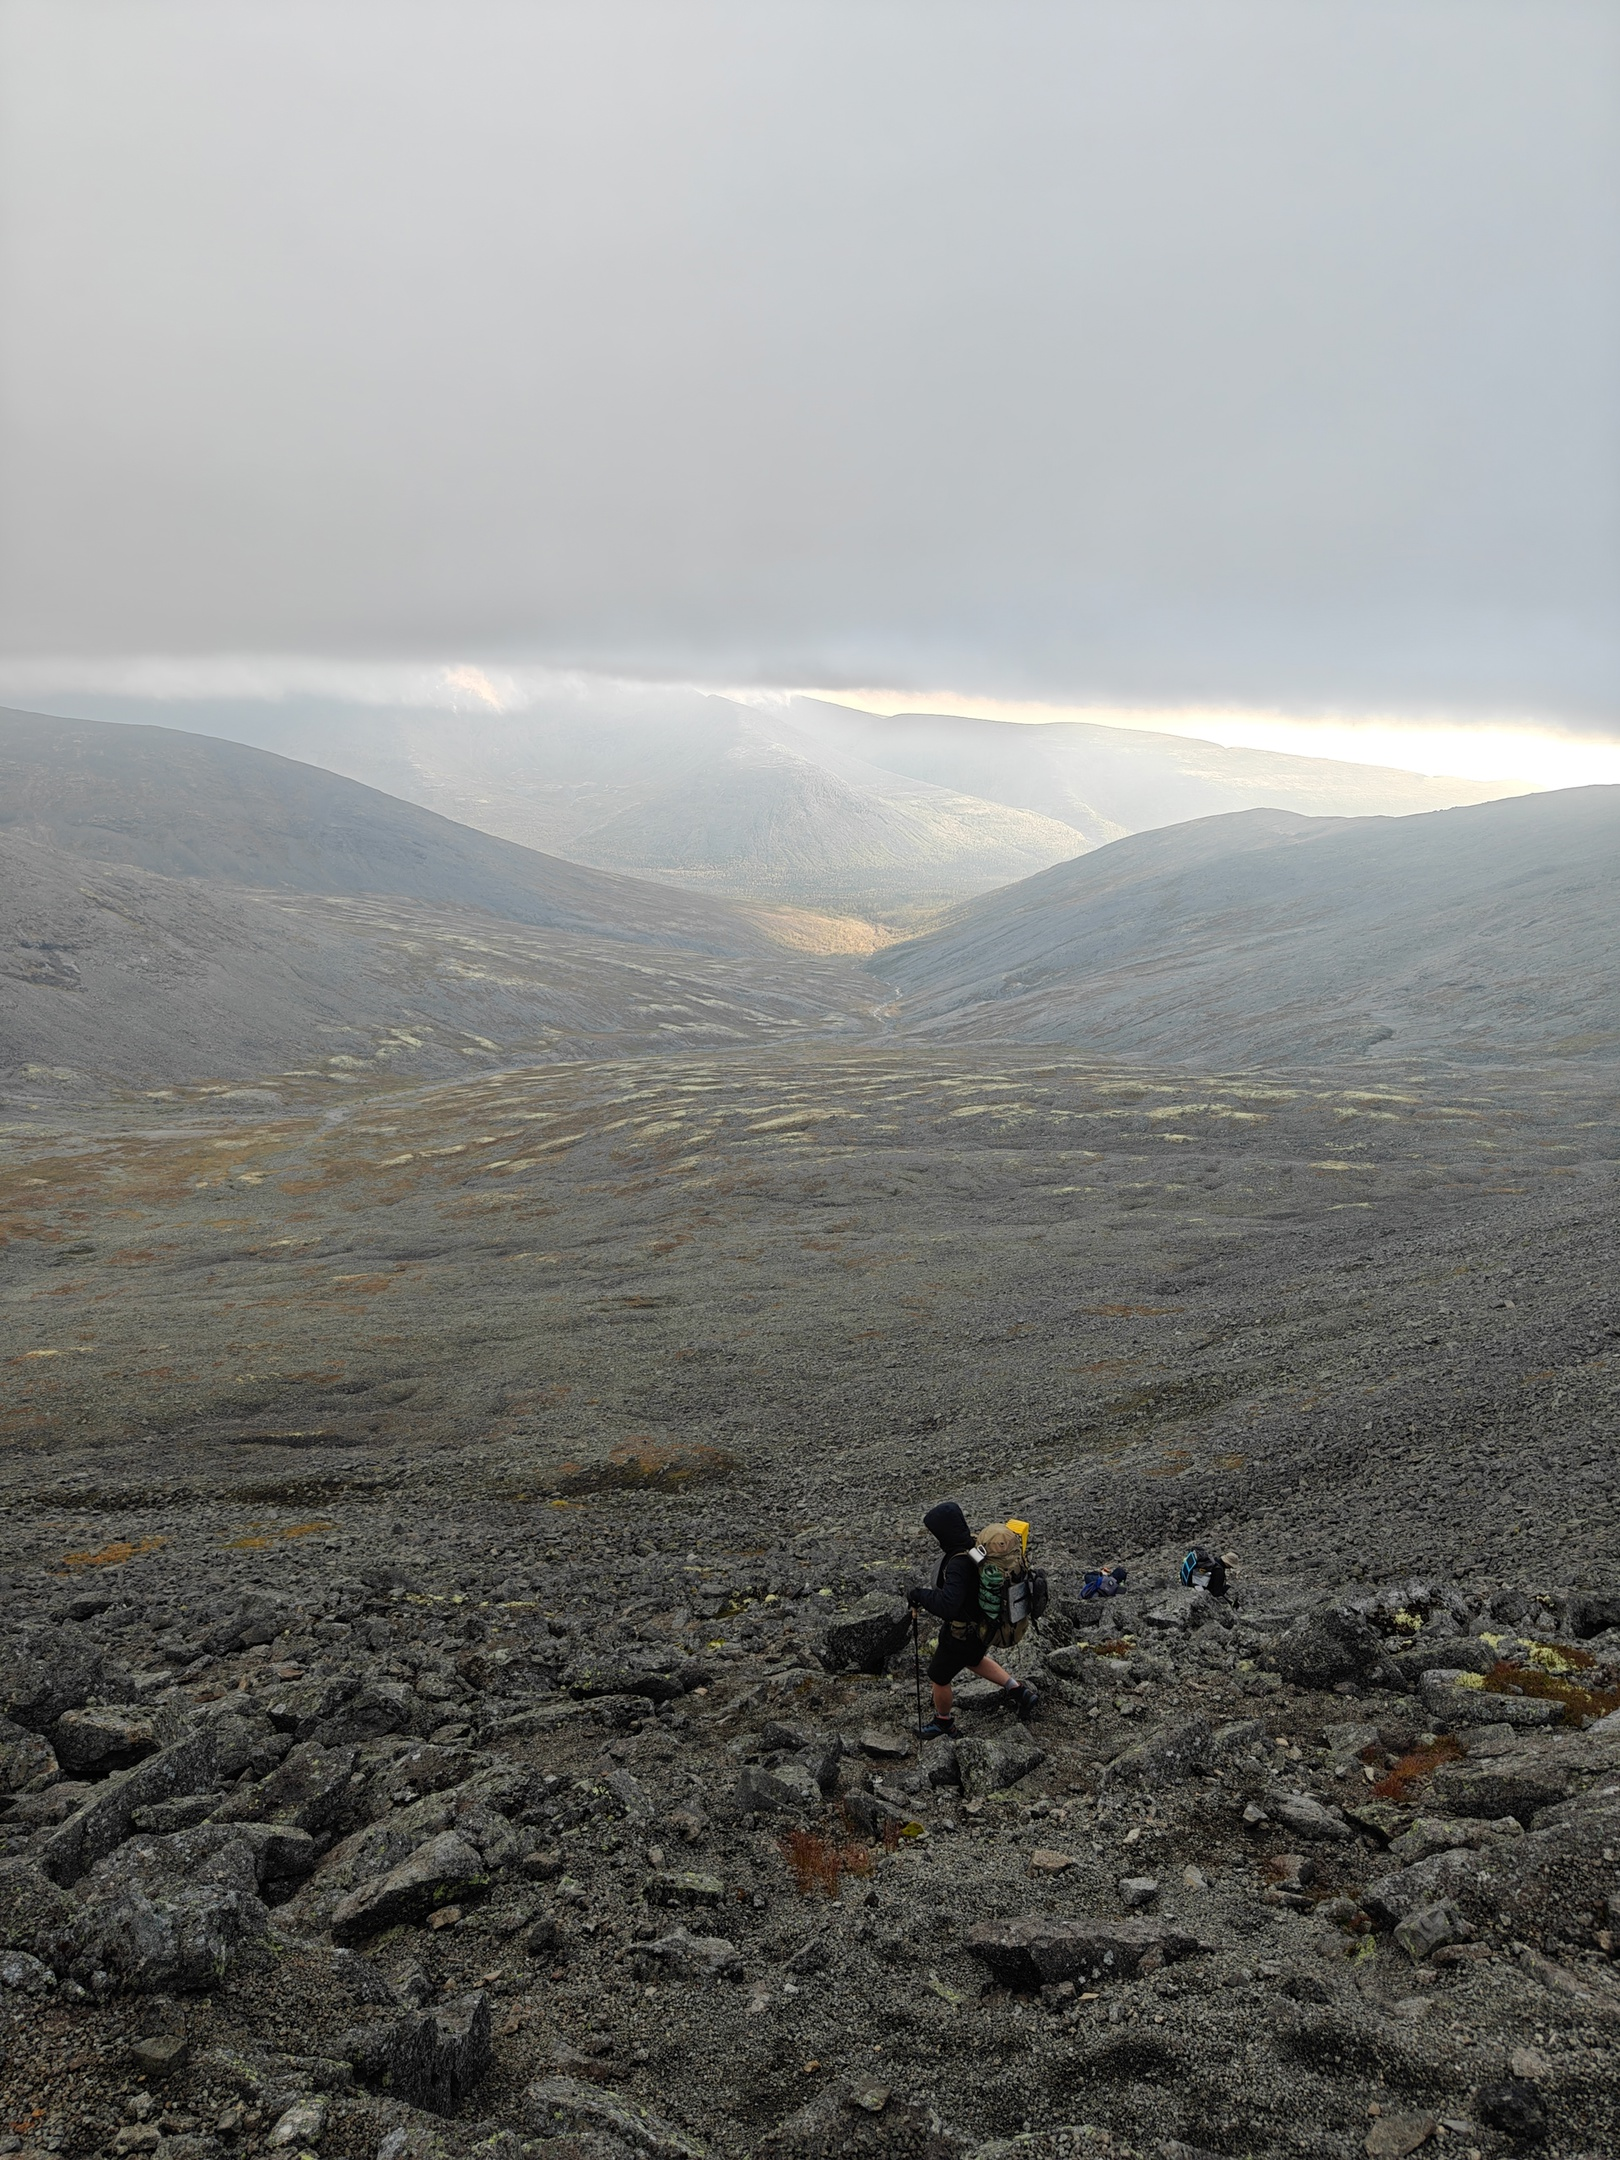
954	1654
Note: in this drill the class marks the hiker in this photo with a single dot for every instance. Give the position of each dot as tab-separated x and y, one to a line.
966	1627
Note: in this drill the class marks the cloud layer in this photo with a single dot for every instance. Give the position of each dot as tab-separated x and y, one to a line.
1146	351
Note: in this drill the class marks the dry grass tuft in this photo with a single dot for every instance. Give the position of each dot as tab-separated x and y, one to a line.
821	1863
113	1555
1581	1703
1410	1770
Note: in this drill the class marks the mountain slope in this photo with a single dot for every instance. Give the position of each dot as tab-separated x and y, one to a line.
1489	932
115	974
186	805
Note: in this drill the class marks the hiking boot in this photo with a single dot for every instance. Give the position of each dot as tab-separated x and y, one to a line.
939	1728
1023	1701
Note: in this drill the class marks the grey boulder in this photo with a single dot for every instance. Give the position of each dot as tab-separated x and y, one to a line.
443	1869
699	1958
1166	1757
987	1766
1330	1645
431	2057
864	1637
163	1914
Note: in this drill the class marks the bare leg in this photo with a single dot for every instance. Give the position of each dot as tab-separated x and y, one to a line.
942	1701
988	1669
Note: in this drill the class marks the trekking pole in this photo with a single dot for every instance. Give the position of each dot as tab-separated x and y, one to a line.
916	1668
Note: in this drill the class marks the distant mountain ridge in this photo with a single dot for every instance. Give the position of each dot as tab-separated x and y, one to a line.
798	802
1487	933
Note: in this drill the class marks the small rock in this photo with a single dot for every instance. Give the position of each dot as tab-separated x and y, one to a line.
1528	2064
1392	2136
632	1796
988	1766
1194	1879
1137	1891
1430	1928
873	2099
27	1975
1034	1950
1166	1757
788	1789
1043	1861
885	1746
864	1638
683	1887
1513	2107
698	1957
159	2054
301	2124
1308	1818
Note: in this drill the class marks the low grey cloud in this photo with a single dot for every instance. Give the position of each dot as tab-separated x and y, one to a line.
1143	351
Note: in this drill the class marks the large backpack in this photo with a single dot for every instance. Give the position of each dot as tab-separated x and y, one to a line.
1202	1570
1012	1594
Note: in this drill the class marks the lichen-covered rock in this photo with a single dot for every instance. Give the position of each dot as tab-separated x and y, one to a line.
27	1760
1308	1818
987	1766
45	1675
305	1791
163	1914
106	1818
1165	1757
560	2107
1454	1697
1504	1785
442	1870
1460	1876
1330	1645
102	1738
700	1958
31	1905
432	2057
786	1788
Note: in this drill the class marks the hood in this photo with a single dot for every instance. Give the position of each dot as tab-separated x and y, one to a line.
949	1526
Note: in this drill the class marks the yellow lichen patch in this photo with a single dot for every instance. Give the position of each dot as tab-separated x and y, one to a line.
1555	1657
113	1555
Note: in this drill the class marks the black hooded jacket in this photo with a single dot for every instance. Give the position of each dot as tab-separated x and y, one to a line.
957	1596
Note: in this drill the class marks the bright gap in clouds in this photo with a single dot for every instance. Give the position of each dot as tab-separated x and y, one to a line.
1514	752
1492	750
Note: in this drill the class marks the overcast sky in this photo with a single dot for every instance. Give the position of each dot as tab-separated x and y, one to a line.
1161	351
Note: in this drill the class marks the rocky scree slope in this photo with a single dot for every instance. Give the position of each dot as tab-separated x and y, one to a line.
613	1838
